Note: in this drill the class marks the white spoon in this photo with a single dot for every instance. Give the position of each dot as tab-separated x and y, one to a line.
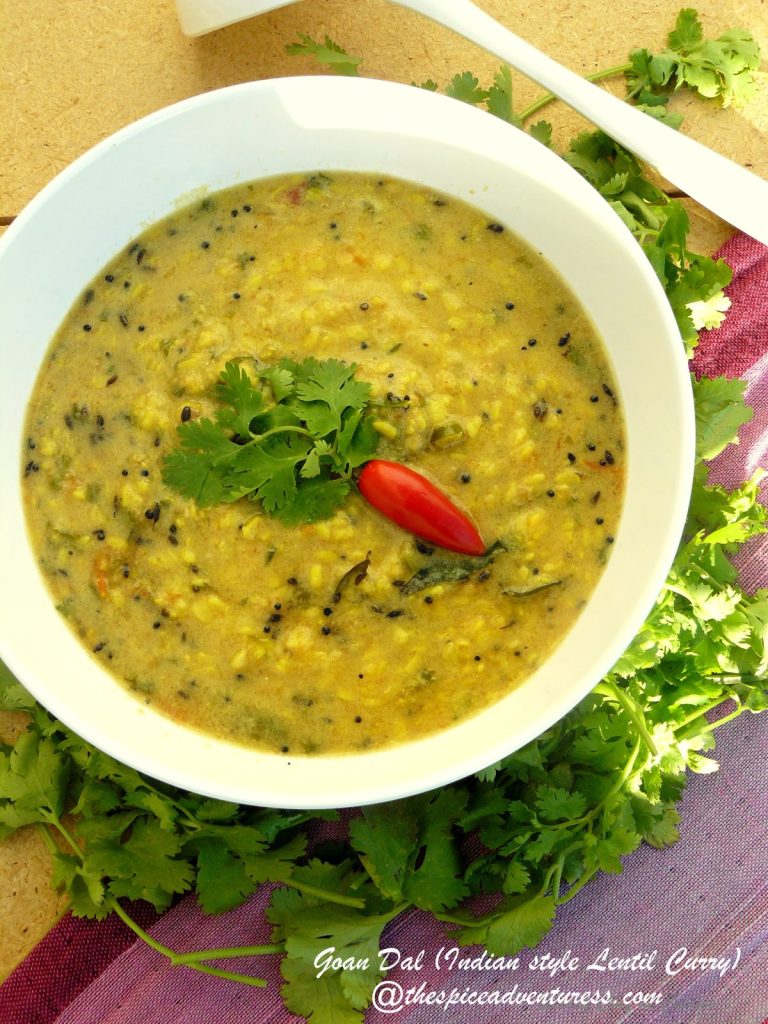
719	184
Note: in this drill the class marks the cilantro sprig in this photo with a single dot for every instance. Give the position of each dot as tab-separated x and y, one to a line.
715	68
288	438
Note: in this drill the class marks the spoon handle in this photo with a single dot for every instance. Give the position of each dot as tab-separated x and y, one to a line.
729	190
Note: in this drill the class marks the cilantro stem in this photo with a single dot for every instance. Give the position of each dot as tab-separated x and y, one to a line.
624	777
325	894
226	953
547	98
279	430
63	831
189	959
702	711
466	922
632	709
577	886
555	873
48	839
711	726
726	679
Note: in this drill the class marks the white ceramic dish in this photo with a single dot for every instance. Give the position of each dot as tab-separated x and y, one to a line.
90	211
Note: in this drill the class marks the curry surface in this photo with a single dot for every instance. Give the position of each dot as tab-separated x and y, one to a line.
491	382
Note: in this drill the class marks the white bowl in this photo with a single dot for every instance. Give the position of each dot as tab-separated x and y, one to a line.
109	195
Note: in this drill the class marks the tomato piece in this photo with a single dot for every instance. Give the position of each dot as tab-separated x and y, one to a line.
100	566
416	505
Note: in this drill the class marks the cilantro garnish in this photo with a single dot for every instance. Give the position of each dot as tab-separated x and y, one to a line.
289	439
551	816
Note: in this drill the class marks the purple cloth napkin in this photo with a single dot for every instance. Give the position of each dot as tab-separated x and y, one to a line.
681	937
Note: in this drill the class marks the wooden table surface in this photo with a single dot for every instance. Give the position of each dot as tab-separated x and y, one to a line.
72	73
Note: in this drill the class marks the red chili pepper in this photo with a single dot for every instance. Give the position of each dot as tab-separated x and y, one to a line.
415	504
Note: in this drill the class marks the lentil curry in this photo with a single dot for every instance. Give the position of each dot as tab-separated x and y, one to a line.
346	633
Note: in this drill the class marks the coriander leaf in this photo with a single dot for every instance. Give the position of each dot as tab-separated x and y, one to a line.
318	417
312	465
657	822
617	844
516	880
236	390
221	881
700	764
435	882
352	933
205	436
198	469
542	132
409	850
500	96
280	380
361	445
144	866
720	411
465	87
233	860
331	383
328	52
523	924
554	804
709	603
285	414
13	696
687	32
33	781
385	836
159	806
317	1000
655	106
192	475
209	809
96	798
313	501
710	313
308	925
269	469
95	764
277	864
350	422
84	886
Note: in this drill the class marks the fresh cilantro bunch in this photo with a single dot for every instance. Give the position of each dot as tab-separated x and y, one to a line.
658	223
289	439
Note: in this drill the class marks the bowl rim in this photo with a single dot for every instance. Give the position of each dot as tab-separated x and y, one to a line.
342	786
